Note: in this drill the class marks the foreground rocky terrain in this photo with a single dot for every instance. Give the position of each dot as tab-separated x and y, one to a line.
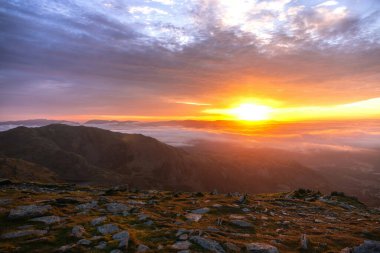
68	218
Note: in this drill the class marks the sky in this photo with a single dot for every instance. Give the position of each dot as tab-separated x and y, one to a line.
190	59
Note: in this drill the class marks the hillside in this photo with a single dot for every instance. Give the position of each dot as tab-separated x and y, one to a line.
79	154
66	218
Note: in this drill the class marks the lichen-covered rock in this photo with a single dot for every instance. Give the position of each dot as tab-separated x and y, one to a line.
28	211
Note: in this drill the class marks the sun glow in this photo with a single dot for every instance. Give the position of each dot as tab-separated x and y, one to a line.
251	112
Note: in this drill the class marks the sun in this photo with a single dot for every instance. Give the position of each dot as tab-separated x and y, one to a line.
251	112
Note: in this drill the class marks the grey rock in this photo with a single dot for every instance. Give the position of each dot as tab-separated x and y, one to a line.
101	245
48	219
305	244
148	223
367	247
117	208
87	206
22	233
28	211
231	247
181	245
183	237
193	217
123	238
242	223
201	210
261	248
142	248
207	244
5	201
65	248
116	251
78	231
84	242
108	229
98	220
143	217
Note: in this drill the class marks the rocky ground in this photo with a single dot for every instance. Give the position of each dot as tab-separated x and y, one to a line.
69	218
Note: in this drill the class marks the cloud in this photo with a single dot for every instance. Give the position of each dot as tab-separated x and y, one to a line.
98	57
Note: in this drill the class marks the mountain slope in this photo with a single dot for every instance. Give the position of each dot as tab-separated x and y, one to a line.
91	155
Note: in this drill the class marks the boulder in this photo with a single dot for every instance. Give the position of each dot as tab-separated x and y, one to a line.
87	206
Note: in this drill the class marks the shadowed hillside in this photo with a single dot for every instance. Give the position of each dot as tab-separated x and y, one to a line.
91	155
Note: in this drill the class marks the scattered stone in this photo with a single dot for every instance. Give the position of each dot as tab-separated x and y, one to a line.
66	201
181	245
143	217
78	231
367	247
22	233
142	248
231	247
87	206
116	251
98	220
201	210
193	217
183	237
84	242
242	223
207	244
261	248
47	219
243	199
117	208
4	181
108	229
123	238
101	245
65	248
4	202
28	211
305	244
148	223
136	202
318	221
